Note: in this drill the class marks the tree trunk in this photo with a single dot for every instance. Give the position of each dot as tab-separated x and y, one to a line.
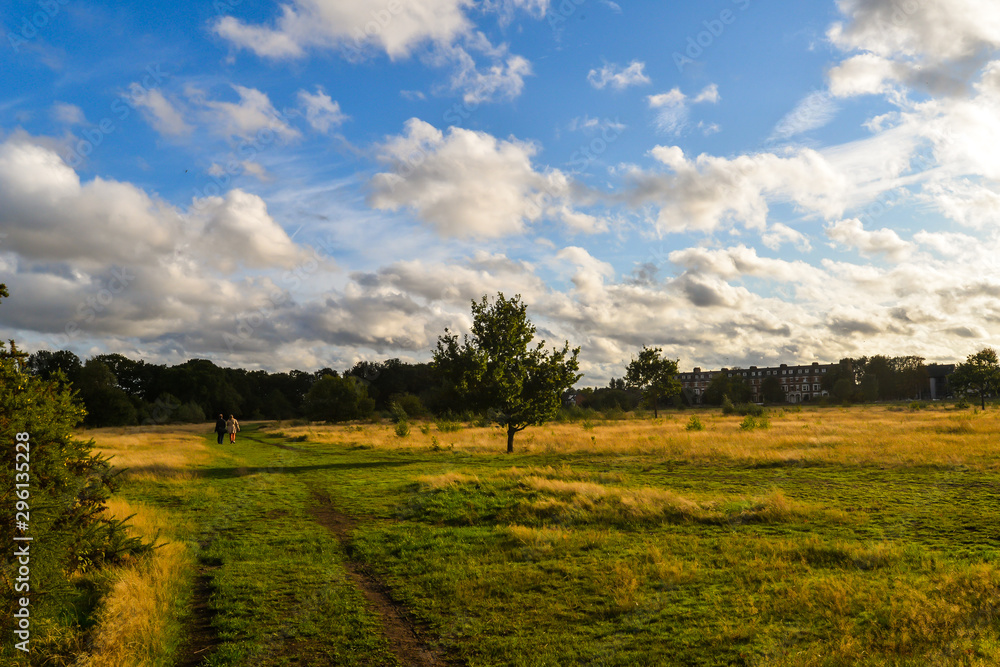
982	398
510	439
656	399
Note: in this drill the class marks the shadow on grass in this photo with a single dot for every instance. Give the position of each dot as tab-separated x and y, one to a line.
242	471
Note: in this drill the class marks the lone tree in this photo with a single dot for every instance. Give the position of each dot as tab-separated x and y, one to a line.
980	374
496	370
653	375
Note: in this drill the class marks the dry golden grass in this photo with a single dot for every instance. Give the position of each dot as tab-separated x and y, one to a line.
445	480
157	452
870	435
134	618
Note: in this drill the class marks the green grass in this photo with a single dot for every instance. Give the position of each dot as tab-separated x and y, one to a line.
593	559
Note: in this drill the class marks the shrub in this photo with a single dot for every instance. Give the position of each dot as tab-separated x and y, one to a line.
614	413
446	426
402	428
396	413
694	424
411	405
728	408
750	422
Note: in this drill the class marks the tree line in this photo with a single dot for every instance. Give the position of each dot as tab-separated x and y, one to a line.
118	391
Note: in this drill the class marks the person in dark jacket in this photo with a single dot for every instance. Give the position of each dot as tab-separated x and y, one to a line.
220	427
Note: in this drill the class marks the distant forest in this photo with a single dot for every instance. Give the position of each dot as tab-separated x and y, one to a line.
118	391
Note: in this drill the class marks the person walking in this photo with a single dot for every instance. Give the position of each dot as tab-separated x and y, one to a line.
220	427
233	427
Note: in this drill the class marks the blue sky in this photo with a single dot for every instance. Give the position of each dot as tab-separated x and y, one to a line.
315	183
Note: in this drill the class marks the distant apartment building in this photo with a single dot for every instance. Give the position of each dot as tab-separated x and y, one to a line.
800	383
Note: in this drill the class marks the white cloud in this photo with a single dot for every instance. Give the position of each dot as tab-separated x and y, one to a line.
708	192
589	273
673	110
159	111
466	183
740	261
619	78
240	229
322	113
947	244
710	94
812	112
965	202
394	28
883	241
507	8
253	114
916	43
864	74
588	124
503	80
104	258
68	114
778	234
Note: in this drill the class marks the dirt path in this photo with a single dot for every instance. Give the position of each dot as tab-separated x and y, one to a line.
201	638
400	630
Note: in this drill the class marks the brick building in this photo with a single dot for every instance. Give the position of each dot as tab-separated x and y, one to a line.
800	383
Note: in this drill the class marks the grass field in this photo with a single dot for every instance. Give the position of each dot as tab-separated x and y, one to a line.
821	536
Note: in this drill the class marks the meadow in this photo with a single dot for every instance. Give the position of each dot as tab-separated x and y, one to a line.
813	536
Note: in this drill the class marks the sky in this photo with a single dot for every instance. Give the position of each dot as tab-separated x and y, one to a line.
310	184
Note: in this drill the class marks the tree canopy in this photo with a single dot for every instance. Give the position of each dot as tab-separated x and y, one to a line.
978	374
654	375
498	371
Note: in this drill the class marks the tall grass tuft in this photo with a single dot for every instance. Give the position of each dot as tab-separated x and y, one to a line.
137	622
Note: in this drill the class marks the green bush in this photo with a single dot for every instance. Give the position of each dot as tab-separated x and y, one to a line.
614	413
402	428
446	426
694	424
396	413
750	422
743	409
411	405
